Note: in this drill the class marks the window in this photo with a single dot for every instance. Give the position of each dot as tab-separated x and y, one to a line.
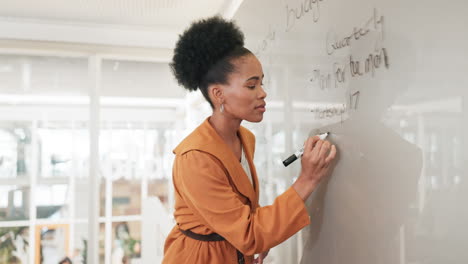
45	155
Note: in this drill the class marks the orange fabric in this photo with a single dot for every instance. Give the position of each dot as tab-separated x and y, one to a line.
213	194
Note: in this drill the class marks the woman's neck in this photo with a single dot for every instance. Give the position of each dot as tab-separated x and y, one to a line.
225	127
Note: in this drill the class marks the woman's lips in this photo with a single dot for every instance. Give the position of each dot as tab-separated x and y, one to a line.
262	108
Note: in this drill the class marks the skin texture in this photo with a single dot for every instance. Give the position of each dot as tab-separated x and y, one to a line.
244	99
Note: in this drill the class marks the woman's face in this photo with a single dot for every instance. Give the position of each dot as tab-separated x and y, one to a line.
244	96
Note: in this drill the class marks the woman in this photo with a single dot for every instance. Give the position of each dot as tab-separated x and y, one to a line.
216	187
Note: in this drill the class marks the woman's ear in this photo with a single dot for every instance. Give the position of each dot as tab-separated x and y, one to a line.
216	94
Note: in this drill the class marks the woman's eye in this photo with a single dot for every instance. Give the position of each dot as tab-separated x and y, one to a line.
251	86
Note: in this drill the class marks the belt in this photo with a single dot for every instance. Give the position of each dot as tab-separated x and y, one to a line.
212	237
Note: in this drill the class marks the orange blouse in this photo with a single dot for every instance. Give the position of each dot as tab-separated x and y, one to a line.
213	194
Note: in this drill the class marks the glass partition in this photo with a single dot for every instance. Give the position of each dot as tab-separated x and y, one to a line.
45	152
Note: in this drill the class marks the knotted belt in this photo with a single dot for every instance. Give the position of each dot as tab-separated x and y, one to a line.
211	237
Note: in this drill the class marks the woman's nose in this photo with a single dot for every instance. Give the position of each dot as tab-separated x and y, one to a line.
262	93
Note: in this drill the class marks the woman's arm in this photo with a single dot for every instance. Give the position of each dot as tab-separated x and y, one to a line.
204	185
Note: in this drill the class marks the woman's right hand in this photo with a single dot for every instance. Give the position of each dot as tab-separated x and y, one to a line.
317	163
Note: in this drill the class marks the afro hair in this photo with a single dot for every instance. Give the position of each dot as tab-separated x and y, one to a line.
201	46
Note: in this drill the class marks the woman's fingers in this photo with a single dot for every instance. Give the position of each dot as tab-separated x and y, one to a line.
331	156
310	143
317	159
318	145
324	149
322	153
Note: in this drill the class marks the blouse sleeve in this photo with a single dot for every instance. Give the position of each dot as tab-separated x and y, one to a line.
204	185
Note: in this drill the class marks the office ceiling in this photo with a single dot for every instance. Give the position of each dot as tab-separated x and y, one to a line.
150	13
90	20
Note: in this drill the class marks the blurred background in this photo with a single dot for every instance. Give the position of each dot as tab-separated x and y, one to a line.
89	116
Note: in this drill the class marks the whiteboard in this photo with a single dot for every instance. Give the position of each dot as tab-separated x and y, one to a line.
388	79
